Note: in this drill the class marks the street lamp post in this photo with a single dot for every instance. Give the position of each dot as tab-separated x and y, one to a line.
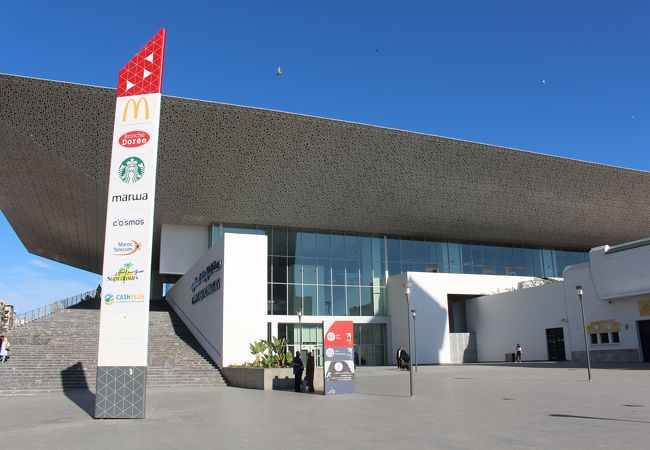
299	312
407	291
415	340
584	330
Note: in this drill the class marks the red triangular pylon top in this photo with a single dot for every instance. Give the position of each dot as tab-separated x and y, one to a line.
143	74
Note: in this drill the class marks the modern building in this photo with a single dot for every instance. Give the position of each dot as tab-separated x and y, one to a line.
344	206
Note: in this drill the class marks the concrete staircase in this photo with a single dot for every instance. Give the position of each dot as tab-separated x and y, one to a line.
59	352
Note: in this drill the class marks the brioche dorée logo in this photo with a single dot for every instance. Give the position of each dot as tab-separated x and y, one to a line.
134	139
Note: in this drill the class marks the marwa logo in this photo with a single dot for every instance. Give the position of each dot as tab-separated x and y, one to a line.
125	273
131	170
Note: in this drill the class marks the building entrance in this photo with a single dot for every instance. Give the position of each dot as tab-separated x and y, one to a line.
555	343
644	337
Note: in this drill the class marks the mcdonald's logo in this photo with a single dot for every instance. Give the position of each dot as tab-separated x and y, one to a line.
136	112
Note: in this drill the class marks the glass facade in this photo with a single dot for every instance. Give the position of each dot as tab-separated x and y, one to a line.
344	274
370	338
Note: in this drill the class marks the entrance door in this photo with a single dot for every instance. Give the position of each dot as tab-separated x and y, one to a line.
555	343
644	337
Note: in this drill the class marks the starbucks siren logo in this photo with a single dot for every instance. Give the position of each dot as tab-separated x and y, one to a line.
131	170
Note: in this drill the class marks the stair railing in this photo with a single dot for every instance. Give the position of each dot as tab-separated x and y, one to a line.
35	314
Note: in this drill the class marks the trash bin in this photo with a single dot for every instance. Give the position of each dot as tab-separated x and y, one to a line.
510	357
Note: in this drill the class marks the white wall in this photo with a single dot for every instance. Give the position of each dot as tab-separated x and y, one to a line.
430	298
613	287
625	312
229	319
181	246
501	321
245	295
622	274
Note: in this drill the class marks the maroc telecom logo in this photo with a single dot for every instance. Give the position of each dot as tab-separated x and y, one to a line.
134	139
109	299
135	111
126	248
131	170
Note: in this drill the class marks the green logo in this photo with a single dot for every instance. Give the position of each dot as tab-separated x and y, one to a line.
131	170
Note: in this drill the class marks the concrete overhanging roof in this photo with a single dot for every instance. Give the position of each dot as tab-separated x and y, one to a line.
234	164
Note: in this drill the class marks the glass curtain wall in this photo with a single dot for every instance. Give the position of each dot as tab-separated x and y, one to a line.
344	274
370	338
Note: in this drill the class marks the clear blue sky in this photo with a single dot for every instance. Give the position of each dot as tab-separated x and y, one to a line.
473	70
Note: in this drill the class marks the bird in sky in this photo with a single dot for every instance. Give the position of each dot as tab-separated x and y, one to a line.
279	72
544	82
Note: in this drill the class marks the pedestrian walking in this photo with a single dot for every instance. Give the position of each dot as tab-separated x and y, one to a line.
4	347
518	352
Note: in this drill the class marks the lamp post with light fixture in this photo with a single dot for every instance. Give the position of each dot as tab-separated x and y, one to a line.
299	312
584	330
415	340
407	291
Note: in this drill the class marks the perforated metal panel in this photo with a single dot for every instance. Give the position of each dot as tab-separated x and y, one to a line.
224	163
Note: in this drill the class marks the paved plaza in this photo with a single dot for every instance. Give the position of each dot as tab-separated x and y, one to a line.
479	406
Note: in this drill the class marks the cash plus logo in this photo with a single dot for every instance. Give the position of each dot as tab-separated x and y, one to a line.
109	299
131	170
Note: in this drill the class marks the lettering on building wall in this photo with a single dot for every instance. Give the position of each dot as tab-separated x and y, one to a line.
208	290
204	277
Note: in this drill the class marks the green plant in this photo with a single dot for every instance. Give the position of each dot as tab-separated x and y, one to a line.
257	348
277	355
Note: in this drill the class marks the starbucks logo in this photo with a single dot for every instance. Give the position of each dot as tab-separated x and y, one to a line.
131	170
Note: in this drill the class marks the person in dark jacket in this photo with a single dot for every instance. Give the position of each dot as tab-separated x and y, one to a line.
298	368
309	374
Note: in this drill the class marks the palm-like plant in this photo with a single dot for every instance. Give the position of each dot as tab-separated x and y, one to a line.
257	348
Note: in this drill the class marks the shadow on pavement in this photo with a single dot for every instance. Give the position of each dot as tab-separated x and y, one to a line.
570	416
75	387
570	365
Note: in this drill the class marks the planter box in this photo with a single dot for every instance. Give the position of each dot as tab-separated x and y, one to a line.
266	379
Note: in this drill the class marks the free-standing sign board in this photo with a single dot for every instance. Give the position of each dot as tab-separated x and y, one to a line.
124	317
338	362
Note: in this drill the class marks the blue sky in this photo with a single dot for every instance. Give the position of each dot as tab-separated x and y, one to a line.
567	78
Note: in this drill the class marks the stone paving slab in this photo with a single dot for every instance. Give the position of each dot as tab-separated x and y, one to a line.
481	406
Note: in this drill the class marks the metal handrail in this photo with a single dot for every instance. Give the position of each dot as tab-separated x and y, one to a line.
35	314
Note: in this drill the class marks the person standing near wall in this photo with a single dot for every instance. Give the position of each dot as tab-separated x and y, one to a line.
309	373
298	368
518	351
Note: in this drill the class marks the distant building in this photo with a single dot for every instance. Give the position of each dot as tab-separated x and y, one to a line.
7	316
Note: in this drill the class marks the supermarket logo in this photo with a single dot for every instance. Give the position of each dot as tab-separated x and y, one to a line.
125	273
